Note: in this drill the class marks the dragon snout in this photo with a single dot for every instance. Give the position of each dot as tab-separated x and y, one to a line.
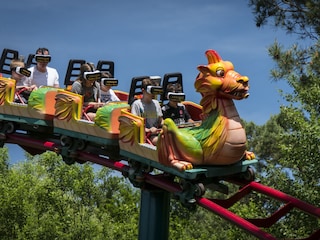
243	80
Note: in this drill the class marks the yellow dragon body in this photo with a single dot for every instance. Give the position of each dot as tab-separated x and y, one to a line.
221	138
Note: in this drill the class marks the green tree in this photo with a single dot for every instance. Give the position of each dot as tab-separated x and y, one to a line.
299	17
4	162
44	198
293	158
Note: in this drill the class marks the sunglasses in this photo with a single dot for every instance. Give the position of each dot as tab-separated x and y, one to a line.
92	76
154	90
42	58
109	82
22	71
176	97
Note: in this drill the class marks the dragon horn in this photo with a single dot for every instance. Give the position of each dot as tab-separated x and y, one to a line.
213	56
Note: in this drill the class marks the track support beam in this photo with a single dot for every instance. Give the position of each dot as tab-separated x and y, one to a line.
154	214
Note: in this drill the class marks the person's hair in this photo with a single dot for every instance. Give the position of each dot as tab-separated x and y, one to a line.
42	50
174	87
106	74
16	63
86	67
145	83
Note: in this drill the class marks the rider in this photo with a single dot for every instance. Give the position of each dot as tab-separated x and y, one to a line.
41	74
174	109
87	85
107	94
20	73
150	109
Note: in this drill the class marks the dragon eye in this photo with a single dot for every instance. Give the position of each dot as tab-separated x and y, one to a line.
220	73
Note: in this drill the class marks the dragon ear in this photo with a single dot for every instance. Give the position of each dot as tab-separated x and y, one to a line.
204	69
213	56
228	65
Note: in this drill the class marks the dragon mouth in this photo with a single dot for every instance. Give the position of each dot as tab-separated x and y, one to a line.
238	94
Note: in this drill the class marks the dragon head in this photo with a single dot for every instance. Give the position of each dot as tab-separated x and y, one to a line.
219	80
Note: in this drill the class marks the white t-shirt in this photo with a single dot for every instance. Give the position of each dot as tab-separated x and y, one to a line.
48	78
109	96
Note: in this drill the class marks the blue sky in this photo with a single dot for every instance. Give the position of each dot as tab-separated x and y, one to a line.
147	37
